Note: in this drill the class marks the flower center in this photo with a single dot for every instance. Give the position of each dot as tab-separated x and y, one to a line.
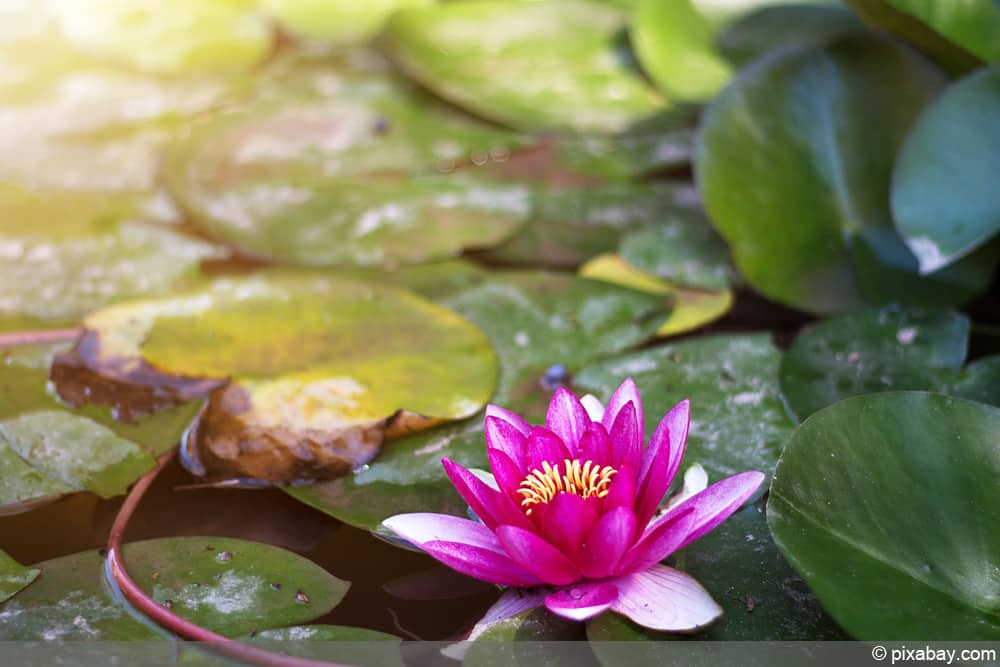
582	479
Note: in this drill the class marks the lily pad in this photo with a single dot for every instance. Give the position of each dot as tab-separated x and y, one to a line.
559	65
312	372
684	249
13	576
883	350
222	584
738	421
739	564
51	272
785	26
570	225
340	22
533	637
691	308
796	135
534	320
886	504
944	200
186	36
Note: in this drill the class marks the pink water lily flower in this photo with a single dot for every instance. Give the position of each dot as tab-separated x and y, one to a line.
571	524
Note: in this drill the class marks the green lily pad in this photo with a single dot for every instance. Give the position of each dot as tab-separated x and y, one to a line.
232	587
313	372
682	248
785	26
662	143
886	504
558	65
186	36
533	637
47	450
13	576
943	197
738	421
959	32
798	136
342	22
534	320
67	253
570	225
884	350
739	564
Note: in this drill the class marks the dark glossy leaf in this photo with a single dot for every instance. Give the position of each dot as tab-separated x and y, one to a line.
785	26
944	196
794	164
886	504
550	640
222	584
13	576
884	350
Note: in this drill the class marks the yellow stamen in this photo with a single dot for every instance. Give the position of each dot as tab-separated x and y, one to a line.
581	479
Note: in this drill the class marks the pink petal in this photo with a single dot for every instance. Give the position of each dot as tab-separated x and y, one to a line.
544	445
626	393
621	492
594	408
511	418
583	600
626	439
511	603
507	438
480	563
670	434
491	506
662	598
566	520
661	540
506	473
537	556
608	540
422	527
567	418
716	503
595	445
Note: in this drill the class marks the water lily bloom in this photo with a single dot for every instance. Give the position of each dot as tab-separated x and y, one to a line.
570	523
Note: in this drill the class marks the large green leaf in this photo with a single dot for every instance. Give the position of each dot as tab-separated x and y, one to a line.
785	26
533	637
883	350
183	37
232	587
67	253
944	196
738	422
794	163
739	564
887	505
558	65
534	320
318	368
13	576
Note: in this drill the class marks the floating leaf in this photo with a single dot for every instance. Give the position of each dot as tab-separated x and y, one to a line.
534	66
887	505
682	248
533	637
64	254
944	197
534	320
739	564
570	225
13	576
785	26
883	350
805	142
691	308
341	22
319	369
738	421
184	37
229	586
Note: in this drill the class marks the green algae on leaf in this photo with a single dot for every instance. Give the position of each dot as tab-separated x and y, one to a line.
13	576
232	595
887	506
305	372
885	350
559	65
